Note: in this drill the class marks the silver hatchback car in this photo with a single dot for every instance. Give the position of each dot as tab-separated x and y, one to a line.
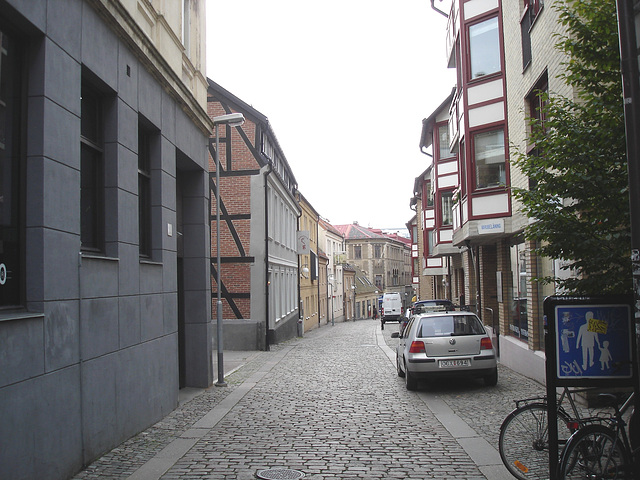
445	344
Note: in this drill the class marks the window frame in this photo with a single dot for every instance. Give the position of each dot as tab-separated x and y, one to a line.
483	49
13	105
92	215
145	223
474	143
446	196
449	155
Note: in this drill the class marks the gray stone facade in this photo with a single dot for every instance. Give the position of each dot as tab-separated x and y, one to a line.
98	342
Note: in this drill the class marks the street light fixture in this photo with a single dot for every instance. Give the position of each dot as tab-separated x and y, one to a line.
233	120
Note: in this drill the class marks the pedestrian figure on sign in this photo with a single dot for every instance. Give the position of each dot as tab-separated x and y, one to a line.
605	356
587	340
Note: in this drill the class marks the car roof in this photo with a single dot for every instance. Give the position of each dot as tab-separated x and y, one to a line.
445	314
431	303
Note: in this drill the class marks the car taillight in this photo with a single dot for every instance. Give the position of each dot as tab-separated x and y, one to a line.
417	347
485	344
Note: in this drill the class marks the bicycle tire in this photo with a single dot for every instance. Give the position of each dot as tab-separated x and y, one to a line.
595	451
524	441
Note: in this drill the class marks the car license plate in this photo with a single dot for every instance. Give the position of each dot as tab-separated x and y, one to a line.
455	363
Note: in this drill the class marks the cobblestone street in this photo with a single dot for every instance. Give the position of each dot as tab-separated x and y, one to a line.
329	405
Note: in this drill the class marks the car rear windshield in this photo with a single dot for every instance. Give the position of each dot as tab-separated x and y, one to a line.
448	325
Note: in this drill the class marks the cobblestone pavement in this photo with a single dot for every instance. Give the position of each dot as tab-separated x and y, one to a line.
329	405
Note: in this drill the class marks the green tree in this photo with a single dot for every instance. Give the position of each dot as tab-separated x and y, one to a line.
578	191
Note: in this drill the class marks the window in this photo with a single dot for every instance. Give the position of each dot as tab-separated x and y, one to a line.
377	251
10	174
357	252
490	159
443	141
427	194
484	48
447	208
91	170
536	101
378	281
531	9
463	169
186	25
145	136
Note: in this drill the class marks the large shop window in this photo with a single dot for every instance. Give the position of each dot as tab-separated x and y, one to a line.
490	159
484	48
10	175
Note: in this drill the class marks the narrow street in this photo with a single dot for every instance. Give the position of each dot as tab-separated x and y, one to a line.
328	405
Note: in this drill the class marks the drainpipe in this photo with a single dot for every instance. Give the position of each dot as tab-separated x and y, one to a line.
267	278
476	273
301	312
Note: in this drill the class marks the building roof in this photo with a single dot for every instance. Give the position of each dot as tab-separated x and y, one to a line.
426	139
330	228
362	283
218	93
358	232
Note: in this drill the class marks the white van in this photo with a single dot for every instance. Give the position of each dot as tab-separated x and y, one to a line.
392	310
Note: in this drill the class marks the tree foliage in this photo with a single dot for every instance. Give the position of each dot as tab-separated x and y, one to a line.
578	173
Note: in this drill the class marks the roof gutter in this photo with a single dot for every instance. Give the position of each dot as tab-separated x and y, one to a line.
438	10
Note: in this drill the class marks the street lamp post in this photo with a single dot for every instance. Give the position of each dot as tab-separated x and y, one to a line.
234	120
331	277
353	304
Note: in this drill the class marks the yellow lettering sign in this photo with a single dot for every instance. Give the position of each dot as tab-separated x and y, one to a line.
597	326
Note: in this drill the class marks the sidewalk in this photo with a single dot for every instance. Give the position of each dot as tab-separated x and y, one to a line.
186	444
232	361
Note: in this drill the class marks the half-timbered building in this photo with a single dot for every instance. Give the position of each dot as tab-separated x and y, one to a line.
258	224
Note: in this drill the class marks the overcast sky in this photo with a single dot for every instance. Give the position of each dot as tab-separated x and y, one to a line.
345	85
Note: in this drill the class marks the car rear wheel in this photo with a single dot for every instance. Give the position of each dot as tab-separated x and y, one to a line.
398	368
491	380
409	380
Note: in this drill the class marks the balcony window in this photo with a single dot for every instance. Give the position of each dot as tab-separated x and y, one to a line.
490	159
484	48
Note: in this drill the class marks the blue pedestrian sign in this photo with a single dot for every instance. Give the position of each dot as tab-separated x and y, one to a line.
593	341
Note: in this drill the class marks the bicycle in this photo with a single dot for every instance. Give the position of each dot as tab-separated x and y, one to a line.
599	451
524	435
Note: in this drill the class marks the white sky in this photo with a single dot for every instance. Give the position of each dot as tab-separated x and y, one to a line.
345	85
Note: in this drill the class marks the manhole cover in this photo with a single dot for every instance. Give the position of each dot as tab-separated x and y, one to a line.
280	474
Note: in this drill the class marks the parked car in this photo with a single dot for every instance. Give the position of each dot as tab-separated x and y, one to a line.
445	344
392	310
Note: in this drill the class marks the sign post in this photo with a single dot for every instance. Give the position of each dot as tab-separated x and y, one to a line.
589	342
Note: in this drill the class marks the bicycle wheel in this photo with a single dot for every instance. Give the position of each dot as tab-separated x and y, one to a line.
596	452
524	441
